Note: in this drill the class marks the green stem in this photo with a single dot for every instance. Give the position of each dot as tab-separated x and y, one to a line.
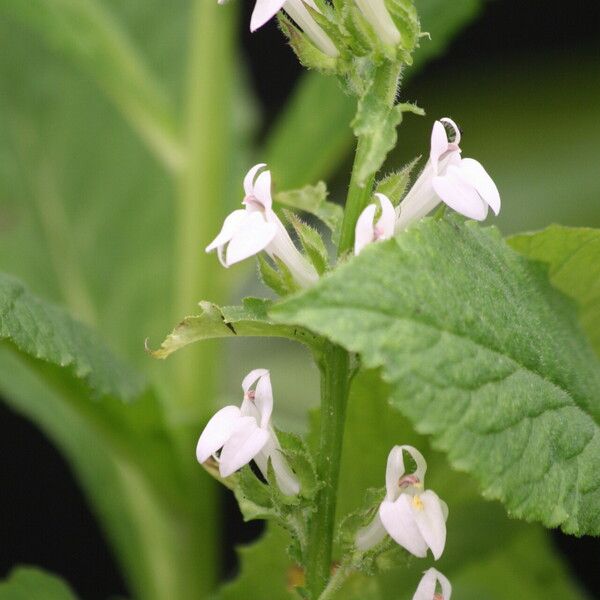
334	397
335	383
385	83
358	198
335	583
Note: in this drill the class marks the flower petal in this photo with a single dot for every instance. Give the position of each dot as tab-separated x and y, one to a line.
420	462
250	177
255	235
429	517
479	178
460	195
231	224
245	442
263	399
439	143
286	480
263	11
262	190
368	537
427	585
398	520
363	232
252	378
217	431
457	134
393	472
387	220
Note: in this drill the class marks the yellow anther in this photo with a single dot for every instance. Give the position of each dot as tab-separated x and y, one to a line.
418	503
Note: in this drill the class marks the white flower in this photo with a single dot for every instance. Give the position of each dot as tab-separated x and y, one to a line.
427	586
414	517
265	10
376	13
367	231
248	231
462	183
245	433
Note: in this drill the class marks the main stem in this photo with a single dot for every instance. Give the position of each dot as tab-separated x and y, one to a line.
335	383
334	366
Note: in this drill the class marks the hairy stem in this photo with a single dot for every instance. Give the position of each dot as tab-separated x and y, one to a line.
358	198
359	193
335	383
334	397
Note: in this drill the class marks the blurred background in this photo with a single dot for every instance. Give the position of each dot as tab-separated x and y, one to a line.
522	80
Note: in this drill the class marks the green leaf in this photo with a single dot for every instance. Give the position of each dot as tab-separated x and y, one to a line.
249	320
573	255
481	353
393	185
312	199
276	275
48	333
87	34
312	243
30	583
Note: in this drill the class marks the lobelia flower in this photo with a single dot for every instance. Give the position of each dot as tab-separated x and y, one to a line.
413	517
265	10
244	434
256	227
367	231
428	586
462	183
376	13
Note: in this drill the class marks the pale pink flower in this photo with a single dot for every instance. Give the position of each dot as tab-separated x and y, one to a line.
367	231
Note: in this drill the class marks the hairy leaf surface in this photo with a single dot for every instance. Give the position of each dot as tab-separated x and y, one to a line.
573	254
47	332
483	354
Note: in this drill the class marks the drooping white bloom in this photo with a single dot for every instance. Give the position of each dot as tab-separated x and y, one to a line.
367	231
462	183
427	589
256	227
414	517
265	10
376	13
244	434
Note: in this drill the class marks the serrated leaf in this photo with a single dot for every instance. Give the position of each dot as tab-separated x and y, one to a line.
278	277
573	256
393	185
30	583
250	320
46	332
312	243
253	496
483	354
313	200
